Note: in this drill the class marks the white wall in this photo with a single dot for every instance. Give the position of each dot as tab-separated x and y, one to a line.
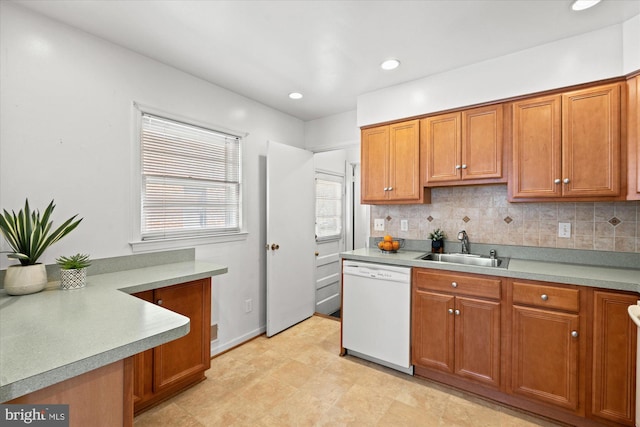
585	58
332	132
66	134
631	45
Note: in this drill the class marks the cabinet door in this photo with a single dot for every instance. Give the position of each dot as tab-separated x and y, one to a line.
374	156
537	148
545	356
404	161
190	354
143	365
482	143
441	136
614	357
477	343
432	330
633	134
591	142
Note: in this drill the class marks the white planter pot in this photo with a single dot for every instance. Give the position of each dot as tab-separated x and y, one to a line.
73	279
25	279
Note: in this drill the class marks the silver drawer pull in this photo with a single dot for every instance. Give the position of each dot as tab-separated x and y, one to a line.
544	297
451	311
574	334
457	312
454	284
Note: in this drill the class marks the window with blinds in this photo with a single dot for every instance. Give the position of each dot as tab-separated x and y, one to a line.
191	180
329	206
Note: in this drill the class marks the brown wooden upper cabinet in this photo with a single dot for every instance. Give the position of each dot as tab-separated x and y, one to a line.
390	164
464	147
633	133
567	145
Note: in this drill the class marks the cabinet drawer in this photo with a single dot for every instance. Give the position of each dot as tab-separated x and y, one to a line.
546	296
457	283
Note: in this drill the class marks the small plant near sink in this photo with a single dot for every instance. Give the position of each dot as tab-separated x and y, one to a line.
73	270
437	237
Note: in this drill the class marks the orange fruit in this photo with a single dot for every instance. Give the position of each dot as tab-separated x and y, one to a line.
396	245
381	245
388	238
388	246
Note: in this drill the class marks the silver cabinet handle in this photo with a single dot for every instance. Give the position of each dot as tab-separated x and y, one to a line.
574	334
566	180
457	312
556	181
386	188
458	167
451	311
464	166
544	297
454	284
159	302
390	188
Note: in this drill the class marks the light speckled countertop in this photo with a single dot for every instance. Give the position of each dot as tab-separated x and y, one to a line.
55	335
625	279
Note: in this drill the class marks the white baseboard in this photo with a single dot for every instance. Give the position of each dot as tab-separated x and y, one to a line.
217	347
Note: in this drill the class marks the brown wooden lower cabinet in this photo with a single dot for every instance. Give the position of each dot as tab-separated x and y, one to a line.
457	332
163	371
565	352
614	357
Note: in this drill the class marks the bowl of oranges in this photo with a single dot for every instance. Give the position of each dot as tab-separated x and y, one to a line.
388	244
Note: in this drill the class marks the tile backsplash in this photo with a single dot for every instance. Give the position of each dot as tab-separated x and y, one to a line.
487	216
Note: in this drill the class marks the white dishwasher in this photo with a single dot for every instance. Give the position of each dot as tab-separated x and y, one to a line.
376	313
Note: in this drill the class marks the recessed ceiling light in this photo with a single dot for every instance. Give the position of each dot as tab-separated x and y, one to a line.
390	64
295	95
584	4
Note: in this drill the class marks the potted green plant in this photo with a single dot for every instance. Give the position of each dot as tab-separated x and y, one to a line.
29	234
73	270
437	240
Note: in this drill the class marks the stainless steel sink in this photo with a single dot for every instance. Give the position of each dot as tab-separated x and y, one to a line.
468	259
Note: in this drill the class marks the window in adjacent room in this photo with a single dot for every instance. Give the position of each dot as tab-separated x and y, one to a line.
191	180
329	206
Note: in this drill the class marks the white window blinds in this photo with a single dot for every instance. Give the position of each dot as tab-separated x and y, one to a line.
191	182
329	207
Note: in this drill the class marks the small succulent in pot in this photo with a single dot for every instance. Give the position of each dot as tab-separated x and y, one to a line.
73	270
74	262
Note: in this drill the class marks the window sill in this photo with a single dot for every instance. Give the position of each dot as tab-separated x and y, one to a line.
187	242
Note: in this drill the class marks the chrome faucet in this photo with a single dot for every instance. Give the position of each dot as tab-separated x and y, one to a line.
464	239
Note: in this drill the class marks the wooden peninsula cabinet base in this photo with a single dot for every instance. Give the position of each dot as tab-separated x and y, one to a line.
99	398
166	370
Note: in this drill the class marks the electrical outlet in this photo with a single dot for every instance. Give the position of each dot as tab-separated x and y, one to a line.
378	224
248	305
404	225
564	229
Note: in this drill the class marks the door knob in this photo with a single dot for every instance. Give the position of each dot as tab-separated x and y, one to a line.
317	253
566	180
159	302
275	247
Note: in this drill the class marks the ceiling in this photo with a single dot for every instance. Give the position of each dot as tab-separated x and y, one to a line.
330	51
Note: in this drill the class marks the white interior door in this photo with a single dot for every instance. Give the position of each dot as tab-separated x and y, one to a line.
290	236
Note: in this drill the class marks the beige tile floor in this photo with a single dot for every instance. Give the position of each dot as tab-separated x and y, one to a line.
297	378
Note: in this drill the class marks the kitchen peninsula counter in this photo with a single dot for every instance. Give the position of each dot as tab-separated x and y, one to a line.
55	335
